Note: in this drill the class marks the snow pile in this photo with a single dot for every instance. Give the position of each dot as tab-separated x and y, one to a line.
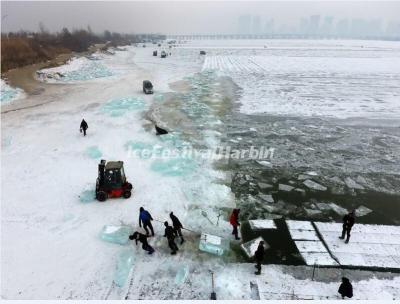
75	70
8	93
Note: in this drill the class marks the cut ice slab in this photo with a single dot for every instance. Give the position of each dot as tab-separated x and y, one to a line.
262	224
213	244
314	186
182	275
267	197
362	210
93	152
283	187
352	184
250	247
125	263
116	234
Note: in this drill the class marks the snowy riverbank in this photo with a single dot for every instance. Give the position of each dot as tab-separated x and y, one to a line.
51	224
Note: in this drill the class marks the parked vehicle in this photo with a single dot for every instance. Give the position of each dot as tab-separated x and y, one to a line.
163	54
147	87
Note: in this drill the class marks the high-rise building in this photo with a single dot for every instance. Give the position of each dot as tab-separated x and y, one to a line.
256	29
313	24
244	26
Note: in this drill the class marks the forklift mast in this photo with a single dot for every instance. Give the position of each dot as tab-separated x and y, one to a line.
102	166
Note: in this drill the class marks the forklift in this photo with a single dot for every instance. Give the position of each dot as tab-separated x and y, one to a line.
111	182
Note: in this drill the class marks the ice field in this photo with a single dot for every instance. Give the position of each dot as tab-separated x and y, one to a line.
58	242
328	79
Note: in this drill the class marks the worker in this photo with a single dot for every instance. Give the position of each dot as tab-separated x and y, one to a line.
137	236
259	257
348	222
84	126
145	218
234	220
170	235
346	289
177	226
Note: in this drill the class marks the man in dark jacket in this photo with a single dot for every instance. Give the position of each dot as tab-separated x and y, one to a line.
259	257
348	222
145	218
234	221
346	289
170	234
143	239
177	226
84	126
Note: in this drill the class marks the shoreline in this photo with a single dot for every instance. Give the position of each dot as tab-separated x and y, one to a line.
24	77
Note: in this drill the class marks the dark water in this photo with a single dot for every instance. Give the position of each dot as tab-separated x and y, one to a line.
364	151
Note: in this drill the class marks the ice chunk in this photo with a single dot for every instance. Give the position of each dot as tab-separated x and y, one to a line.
362	210
283	187
264	163
8	93
301	191
267	197
179	166
339	210
93	152
116	234
264	186
251	246
87	196
312	173
213	244
323	206
118	107
77	69
182	274
262	224
125	263
352	184
303	177
312	212
314	186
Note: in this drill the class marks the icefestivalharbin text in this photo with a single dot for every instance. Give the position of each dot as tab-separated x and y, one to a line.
221	152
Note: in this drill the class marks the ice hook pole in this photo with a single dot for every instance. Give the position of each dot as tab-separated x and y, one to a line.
213	294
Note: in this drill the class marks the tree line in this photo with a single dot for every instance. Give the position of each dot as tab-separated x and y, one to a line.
23	48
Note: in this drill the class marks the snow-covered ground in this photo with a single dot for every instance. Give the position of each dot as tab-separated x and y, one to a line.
51	226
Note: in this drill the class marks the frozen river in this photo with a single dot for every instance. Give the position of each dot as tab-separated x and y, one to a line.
329	110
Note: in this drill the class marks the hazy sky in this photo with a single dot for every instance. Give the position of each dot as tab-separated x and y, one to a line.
179	17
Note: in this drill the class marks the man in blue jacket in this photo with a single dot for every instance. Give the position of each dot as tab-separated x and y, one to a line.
145	218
